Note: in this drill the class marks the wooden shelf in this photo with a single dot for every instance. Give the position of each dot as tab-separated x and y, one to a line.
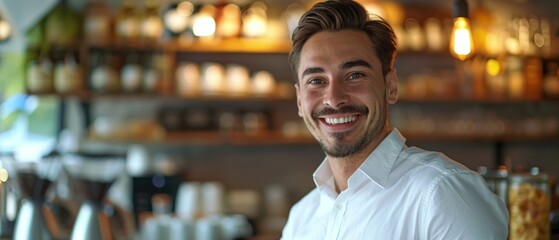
86	95
464	100
272	138
212	138
507	137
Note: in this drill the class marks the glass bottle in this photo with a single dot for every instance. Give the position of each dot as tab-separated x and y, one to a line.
152	76
127	22
39	76
228	20
131	74
529	206
151	24
67	77
104	77
97	23
255	20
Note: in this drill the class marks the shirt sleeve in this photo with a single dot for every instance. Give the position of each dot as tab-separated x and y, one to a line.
460	206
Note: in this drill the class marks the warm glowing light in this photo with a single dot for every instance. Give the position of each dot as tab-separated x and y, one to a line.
3	175
254	26
493	67
152	27
461	41
5	29
175	21
255	20
230	23
203	26
185	8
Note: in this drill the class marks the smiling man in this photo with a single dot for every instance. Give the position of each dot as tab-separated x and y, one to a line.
371	185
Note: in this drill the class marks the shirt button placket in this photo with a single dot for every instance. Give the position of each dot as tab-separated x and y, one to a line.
338	216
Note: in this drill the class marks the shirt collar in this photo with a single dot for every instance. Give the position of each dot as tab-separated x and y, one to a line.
324	179
380	162
377	166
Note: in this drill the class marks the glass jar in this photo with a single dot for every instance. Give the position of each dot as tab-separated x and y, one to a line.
127	21
98	22
529	206
39	76
67	76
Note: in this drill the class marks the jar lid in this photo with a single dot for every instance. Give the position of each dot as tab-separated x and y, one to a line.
527	177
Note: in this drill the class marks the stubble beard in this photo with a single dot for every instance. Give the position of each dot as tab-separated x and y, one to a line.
341	147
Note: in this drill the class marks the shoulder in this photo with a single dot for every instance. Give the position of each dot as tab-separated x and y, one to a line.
300	213
454	199
435	161
421	168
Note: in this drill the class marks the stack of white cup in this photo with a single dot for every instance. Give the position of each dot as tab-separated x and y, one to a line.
199	216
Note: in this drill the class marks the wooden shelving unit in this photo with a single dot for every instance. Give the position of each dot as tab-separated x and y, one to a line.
174	49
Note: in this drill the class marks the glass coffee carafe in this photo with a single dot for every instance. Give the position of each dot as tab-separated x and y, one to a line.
97	218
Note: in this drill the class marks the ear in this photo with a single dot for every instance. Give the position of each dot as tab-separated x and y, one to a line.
298	100
391	81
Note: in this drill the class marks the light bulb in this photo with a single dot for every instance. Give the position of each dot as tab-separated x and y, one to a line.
461	41
5	29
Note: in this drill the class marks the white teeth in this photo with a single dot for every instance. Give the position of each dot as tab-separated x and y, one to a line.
340	120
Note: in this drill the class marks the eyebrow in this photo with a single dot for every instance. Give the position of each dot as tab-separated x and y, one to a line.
356	63
345	65
312	70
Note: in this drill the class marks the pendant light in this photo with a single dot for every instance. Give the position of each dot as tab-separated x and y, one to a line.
5	29
461	41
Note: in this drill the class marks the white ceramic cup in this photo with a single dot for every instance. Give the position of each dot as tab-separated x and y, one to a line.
151	229
188	79
188	202
209	228
182	229
238	79
213	195
263	83
213	78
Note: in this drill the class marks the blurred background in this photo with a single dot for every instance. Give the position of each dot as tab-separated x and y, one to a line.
179	117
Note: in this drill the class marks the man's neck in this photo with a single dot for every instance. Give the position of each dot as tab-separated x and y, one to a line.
343	168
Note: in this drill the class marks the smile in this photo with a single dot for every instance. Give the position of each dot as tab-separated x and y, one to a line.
340	120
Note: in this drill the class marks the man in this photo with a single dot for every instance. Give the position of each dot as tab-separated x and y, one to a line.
371	185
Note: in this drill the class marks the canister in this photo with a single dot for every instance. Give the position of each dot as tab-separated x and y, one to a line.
529	206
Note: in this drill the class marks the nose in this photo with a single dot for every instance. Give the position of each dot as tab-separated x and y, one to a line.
335	95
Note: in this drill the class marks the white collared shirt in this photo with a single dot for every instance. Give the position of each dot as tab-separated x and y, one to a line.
400	193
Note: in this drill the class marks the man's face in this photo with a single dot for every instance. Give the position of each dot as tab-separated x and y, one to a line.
341	92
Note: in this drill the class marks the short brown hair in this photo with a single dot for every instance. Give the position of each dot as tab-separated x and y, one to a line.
335	15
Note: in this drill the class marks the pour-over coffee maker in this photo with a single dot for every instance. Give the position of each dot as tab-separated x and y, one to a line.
35	220
97	218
